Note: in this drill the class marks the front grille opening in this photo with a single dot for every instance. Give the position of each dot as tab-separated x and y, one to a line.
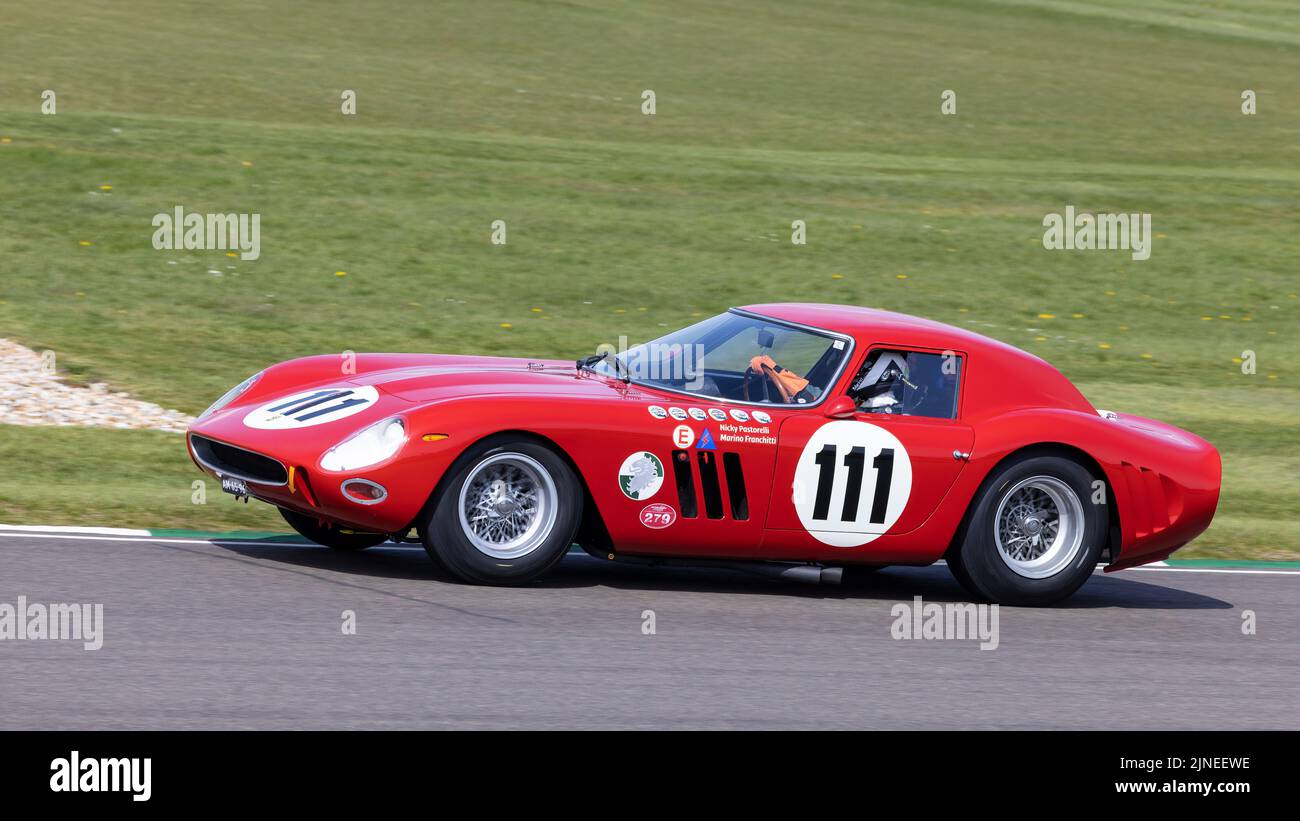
735	486
685	484
239	463
709	485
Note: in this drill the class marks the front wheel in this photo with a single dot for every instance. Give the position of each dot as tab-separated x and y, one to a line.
1034	535
331	535
506	513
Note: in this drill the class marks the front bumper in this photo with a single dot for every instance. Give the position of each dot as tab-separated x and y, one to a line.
295	480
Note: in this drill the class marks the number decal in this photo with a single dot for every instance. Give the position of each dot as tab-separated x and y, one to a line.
852	482
303	410
853	460
884	465
825	460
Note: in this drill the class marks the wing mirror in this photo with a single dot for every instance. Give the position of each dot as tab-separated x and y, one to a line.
841	407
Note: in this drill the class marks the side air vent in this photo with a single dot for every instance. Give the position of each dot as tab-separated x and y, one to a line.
735	486
685	484
709	485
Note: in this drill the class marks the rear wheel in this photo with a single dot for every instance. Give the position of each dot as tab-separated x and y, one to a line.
1034	534
506	513
331	535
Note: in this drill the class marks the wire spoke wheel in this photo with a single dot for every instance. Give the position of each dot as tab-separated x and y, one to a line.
1039	527
508	505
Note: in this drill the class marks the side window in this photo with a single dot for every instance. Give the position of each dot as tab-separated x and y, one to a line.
909	383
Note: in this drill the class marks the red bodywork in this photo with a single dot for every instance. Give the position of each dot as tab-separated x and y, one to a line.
1163	482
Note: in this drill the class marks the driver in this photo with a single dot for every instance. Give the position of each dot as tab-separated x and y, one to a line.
788	383
877	390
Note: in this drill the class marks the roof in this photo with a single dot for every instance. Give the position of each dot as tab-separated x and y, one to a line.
872	325
1032	383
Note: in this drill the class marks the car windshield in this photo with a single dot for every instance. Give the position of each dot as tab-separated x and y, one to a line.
738	357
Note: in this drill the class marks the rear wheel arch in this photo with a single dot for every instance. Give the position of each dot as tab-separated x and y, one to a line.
1061	449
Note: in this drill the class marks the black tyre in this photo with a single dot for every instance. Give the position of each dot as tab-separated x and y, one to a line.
333	536
1034	535
505	514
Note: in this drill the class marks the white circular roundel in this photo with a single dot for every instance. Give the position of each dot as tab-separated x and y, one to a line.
313	407
683	437
641	475
852	483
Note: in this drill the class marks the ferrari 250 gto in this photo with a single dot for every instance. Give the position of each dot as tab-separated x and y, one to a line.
805	440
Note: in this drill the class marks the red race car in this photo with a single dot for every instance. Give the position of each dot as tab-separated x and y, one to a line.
799	439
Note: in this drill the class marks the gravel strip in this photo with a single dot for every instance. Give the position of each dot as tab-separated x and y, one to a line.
31	394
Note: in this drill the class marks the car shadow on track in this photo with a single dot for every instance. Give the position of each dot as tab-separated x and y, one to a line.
933	583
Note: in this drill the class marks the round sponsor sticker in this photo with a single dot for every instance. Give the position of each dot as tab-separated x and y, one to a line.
762	418
658	412
739	415
313	407
658	516
683	437
641	475
718	413
697	414
677	413
851	484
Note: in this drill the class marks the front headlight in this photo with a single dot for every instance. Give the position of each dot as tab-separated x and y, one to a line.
367	446
231	395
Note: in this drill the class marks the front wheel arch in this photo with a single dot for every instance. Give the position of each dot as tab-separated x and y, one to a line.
592	526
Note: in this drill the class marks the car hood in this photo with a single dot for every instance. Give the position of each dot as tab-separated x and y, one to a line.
396	384
446	377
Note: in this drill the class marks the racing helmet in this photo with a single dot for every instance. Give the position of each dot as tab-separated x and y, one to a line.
887	372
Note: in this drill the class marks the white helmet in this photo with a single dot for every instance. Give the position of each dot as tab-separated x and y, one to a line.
875	387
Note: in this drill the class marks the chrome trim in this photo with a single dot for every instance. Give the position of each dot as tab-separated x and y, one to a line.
358	480
222	472
844	363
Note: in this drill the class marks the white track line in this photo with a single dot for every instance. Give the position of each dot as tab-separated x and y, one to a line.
7	530
1219	570
162	540
100	531
150	539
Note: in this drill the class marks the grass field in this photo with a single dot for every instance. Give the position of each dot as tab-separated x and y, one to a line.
625	224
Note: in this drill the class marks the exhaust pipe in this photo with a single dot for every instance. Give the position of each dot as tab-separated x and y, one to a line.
810	574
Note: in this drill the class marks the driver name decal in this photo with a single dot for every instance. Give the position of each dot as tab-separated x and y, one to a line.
746	434
852	483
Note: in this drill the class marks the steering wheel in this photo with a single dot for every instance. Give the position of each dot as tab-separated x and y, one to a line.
771	378
750	373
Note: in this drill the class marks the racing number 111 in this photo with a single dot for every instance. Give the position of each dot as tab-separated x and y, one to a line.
855	461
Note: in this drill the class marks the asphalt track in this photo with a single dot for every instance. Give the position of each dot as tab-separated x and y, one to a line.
239	635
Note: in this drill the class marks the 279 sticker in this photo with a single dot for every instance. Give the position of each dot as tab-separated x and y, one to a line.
658	516
852	483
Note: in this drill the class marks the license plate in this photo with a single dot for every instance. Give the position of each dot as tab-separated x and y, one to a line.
236	486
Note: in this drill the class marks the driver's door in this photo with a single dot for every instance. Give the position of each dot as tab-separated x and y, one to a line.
850	480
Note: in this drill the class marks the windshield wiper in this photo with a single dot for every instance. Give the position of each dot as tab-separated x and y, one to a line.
590	363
